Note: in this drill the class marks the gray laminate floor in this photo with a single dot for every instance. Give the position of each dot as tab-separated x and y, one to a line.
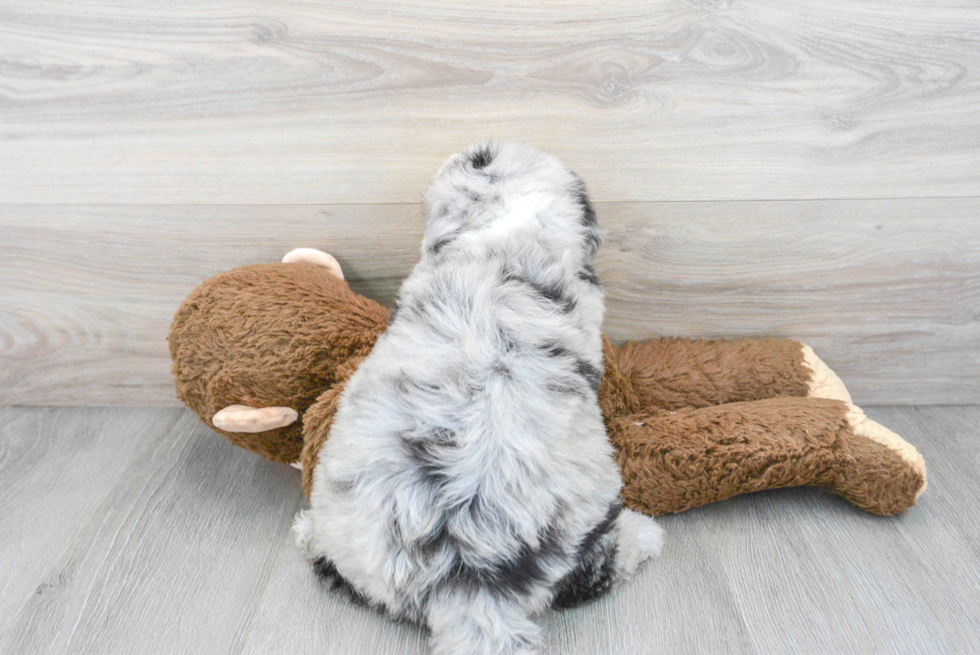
140	531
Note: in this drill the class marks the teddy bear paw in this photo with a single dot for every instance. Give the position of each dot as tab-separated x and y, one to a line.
823	383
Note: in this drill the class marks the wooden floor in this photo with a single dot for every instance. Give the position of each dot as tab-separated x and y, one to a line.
137	530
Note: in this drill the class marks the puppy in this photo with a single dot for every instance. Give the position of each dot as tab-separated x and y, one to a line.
467	483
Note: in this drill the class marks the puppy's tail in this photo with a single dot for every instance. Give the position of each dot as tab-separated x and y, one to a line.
482	624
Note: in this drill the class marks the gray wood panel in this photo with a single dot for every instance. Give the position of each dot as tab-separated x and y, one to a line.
887	291
298	101
953	458
144	532
640	617
682	602
46	457
171	560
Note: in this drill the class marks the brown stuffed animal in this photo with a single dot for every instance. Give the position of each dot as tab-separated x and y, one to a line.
693	422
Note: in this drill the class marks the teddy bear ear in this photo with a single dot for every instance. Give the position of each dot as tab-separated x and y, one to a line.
316	258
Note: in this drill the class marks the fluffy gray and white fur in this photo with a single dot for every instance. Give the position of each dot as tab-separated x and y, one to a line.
467	482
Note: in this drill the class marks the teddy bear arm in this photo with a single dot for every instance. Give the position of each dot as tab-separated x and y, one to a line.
671	373
676	460
317	421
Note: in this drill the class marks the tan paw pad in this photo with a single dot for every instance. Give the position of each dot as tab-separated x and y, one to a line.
824	383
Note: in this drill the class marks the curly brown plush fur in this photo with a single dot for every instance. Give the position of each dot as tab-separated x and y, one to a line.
271	335
667	456
693	421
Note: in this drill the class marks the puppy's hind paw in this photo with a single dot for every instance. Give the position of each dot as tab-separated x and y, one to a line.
640	537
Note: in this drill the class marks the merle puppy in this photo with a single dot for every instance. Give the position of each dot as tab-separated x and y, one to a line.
467	482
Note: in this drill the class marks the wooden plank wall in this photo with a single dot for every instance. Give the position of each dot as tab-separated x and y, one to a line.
808	169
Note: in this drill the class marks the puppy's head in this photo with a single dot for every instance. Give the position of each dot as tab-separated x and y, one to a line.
493	192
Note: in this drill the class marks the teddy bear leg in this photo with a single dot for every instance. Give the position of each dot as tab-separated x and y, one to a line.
885	474
676	460
316	258
671	373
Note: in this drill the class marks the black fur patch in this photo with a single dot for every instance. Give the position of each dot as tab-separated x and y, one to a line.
507	340
593	574
583	584
442	242
588	211
513	577
427	547
569	388
599	531
428	453
554	350
326	571
593	240
503	370
482	157
590	373
588	274
553	292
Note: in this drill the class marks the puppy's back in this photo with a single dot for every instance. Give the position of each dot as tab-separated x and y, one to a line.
473	429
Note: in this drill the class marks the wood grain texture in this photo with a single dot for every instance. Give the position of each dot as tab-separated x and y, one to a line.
814	574
886	291
953	458
140	531
641	617
298	101
46	456
682	602
172	559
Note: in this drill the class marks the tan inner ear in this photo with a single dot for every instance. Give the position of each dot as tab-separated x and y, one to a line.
316	258
242	418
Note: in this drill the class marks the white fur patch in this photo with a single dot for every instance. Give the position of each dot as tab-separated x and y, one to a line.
303	530
640	537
